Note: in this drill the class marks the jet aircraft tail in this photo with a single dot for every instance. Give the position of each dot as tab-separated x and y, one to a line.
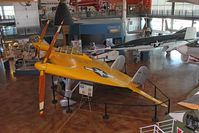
190	33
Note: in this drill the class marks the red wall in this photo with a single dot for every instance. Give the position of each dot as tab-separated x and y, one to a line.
143	5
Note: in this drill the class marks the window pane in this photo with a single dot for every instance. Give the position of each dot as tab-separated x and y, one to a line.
180	24
156	23
1	13
8	12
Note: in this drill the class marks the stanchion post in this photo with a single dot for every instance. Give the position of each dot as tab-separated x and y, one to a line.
125	68
155	92
168	111
68	110
155	118
106	115
54	101
168	105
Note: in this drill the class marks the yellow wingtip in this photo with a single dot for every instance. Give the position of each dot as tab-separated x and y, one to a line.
148	96
164	105
189	105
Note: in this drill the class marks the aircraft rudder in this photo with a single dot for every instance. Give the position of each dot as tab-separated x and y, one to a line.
140	76
190	33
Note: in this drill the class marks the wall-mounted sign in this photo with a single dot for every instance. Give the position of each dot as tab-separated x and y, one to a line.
113	30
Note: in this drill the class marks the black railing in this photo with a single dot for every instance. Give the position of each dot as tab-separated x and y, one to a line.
106	104
155	96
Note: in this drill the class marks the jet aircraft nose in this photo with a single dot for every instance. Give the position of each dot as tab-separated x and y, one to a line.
183	49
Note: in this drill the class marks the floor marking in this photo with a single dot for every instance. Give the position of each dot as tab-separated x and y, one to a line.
69	118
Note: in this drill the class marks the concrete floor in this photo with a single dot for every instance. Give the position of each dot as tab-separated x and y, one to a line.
19	110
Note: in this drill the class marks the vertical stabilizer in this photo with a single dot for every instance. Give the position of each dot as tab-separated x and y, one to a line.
190	33
119	63
140	76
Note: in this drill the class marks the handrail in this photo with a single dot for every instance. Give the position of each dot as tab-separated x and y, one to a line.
157	88
157	125
155	129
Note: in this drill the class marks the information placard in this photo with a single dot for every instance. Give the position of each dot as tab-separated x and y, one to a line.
86	89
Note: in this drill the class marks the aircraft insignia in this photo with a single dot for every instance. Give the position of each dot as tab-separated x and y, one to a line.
99	72
179	130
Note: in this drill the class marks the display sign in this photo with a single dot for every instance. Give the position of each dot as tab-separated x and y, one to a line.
113	30
86	89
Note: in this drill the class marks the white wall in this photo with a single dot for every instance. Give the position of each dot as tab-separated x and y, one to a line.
27	18
132	24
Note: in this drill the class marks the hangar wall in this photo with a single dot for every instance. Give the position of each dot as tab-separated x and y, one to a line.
132	24
98	32
27	18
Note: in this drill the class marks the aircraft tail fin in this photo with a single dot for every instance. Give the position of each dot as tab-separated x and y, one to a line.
190	33
140	76
119	63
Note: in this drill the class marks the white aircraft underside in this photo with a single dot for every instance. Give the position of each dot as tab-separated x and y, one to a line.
189	54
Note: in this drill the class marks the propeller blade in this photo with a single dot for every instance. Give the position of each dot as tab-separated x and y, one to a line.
52	44
44	31
41	92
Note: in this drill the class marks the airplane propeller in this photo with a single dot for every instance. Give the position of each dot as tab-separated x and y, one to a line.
42	72
41	38
44	31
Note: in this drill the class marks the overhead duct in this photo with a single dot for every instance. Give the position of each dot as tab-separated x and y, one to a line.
63	13
188	1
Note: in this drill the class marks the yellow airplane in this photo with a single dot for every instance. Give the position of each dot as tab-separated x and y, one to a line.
73	64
